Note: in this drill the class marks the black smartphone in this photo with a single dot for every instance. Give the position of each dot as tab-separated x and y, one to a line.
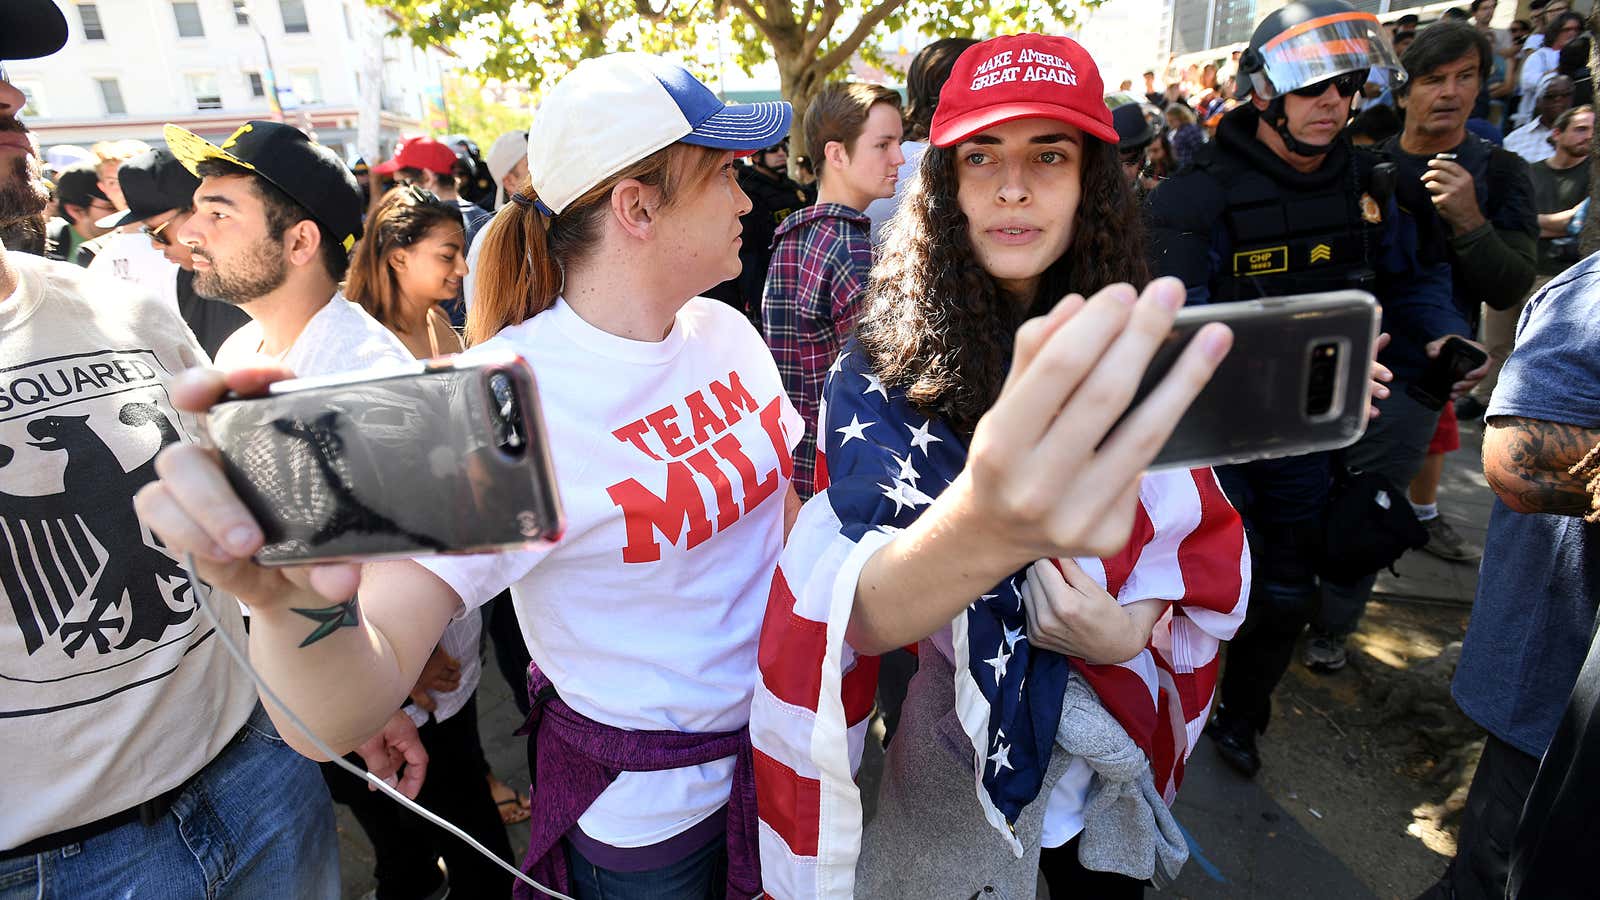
1297	379
448	456
1456	358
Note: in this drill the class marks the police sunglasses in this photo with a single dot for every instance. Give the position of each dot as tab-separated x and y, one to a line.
1347	85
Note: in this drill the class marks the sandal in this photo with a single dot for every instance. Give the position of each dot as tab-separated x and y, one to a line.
514	809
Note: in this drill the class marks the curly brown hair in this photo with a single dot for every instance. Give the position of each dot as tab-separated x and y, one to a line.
935	322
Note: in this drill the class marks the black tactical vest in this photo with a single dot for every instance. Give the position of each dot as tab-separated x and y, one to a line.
1286	241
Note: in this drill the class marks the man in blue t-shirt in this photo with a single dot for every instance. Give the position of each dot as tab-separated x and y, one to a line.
1537	592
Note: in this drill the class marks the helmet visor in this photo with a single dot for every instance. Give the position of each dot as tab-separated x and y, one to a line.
1322	48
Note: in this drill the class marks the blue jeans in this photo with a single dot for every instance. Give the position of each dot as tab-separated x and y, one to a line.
702	875
255	822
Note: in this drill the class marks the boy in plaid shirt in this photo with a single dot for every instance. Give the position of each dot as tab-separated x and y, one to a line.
821	254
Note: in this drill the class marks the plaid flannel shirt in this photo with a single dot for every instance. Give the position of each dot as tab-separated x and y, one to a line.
821	256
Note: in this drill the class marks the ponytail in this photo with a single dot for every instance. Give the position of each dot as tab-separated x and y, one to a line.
526	247
518	276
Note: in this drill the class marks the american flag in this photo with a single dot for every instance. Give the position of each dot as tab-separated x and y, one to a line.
880	464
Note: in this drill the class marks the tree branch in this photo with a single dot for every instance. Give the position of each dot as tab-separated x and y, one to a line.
749	12
815	38
874	17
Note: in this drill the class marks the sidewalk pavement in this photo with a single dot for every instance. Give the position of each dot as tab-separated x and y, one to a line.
1247	845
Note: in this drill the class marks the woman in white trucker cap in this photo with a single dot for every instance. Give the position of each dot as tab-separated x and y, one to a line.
671	436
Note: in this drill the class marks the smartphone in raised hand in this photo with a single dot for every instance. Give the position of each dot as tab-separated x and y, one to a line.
1296	381
448	456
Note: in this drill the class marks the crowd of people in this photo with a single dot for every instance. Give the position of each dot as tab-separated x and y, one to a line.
832	439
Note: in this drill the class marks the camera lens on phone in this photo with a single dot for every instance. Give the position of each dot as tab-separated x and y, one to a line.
1324	376
505	415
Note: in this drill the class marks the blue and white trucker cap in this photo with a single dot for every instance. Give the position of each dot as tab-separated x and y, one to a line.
612	111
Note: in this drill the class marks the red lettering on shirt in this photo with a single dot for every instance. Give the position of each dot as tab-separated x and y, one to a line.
661	422
646	514
755	490
732	397
705	422
633	433
649	517
772	423
706	465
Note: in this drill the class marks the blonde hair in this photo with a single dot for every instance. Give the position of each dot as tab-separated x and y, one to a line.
524	251
118	151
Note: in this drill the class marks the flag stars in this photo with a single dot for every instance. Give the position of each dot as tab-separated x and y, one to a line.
998	663
908	473
1013	635
1001	757
904	495
856	430
874	384
838	363
922	437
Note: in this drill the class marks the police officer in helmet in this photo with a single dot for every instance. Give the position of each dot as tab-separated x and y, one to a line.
1281	203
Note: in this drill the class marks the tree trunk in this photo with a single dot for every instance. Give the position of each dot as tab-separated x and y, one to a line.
800	81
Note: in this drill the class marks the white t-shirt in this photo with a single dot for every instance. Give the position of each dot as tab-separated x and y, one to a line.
341	337
1531	142
113	687
131	257
470	283
673	463
1539	64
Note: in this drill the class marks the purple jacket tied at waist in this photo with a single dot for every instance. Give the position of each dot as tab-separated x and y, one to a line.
582	757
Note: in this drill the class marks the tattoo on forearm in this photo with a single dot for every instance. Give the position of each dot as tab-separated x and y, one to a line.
330	619
1534	463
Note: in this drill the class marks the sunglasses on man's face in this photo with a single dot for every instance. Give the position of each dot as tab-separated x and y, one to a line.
1347	85
156	234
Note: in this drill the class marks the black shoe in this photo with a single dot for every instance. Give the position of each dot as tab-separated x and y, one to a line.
1470	408
1236	744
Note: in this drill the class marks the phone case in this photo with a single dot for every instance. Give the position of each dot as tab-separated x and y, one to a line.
448	456
1456	358
1259	404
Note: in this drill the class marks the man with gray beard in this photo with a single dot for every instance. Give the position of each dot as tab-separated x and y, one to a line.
138	761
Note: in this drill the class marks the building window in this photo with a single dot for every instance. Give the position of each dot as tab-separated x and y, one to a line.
306	85
258	88
203	88
187	14
241	12
111	96
89	15
294	16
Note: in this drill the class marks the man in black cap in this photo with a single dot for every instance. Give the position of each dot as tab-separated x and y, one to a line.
1134	136
137	759
160	196
276	216
83	205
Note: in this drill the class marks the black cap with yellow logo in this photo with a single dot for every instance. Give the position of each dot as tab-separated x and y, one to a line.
311	174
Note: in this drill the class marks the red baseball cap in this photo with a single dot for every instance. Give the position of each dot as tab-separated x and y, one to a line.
422	153
1021	76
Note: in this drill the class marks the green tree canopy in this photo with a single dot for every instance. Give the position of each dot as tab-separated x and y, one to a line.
811	41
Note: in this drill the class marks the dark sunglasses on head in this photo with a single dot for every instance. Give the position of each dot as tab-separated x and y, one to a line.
1347	85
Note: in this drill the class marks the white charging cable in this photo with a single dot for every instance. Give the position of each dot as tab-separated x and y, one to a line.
338	759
